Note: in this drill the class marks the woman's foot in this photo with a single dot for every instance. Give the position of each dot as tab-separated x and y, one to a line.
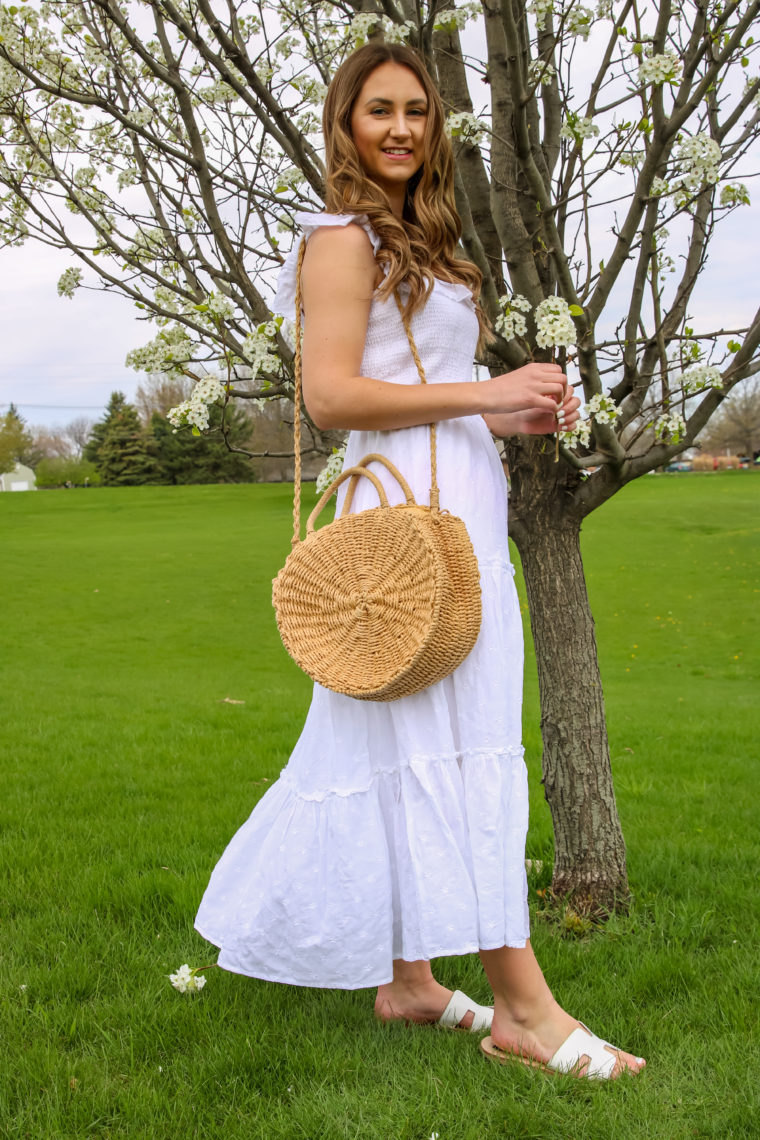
421	1001
537	1036
527	1020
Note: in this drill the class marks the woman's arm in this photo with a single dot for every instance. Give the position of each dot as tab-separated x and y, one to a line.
339	275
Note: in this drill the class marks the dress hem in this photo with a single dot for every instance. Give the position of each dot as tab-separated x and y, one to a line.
370	983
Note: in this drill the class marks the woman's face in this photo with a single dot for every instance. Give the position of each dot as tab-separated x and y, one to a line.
388	125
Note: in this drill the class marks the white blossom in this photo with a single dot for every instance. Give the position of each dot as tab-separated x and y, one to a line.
331	469
580	433
312	89
454	19
701	376
604	10
511	322
195	411
168	353
554	324
220	306
259	349
663	68
734	194
288	179
540	9
398	33
659	187
579	21
670	426
540	71
69	282
603	409
128	177
186	980
365	23
699	156
632	158
578	127
462	125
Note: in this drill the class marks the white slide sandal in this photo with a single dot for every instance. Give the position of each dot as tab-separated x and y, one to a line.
459	1006
569	1058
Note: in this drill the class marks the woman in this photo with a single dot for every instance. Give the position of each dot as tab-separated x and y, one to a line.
396	833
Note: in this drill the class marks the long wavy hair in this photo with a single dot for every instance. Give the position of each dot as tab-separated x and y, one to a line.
423	246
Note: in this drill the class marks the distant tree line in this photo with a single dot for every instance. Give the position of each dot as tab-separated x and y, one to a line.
135	444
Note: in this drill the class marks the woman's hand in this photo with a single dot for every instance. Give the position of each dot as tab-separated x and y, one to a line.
543	423
529	400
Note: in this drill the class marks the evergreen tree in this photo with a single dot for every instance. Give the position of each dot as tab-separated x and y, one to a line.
118	447
16	443
183	458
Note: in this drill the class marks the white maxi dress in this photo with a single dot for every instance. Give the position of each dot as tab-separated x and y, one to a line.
396	830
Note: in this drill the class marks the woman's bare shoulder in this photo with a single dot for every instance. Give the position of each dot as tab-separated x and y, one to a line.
340	251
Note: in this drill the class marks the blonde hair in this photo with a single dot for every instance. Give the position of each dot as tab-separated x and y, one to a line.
423	246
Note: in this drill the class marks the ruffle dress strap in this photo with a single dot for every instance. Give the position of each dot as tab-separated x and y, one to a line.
285	295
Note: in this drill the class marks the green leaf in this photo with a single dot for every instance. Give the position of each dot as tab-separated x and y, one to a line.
733	346
745	61
576	311
196	431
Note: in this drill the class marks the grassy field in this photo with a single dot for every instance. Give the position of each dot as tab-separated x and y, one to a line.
129	616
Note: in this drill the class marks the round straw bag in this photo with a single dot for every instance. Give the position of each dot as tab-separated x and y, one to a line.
380	603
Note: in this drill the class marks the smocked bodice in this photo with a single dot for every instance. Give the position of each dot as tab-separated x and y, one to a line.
445	330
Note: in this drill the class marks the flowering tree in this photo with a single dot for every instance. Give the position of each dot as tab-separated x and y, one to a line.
167	144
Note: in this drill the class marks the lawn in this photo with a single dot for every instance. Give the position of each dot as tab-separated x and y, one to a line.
133	618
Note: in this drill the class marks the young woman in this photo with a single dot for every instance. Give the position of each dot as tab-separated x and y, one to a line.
396	833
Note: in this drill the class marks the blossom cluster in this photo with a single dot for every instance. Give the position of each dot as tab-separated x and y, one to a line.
331	469
554	324
69	282
454	19
167	353
288	180
580	433
511	322
576	128
663	68
603	409
670	426
699	156
579	21
541	71
259	347
540	9
363	25
699	377
187	980
195	411
462	125
220	306
734	194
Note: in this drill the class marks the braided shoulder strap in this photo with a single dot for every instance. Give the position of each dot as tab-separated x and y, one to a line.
434	494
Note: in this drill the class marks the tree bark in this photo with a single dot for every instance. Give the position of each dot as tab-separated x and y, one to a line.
589	852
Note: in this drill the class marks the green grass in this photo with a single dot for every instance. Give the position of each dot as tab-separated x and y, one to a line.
129	615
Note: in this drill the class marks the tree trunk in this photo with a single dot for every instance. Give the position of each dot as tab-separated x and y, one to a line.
589	850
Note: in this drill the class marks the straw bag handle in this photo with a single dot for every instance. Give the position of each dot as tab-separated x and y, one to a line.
354	474
434	495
